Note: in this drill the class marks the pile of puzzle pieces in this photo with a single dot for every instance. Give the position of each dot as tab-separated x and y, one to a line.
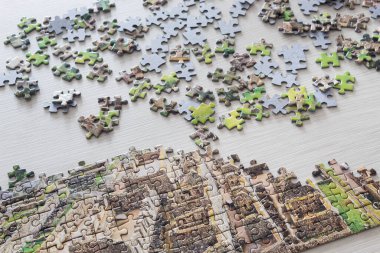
155	200
245	79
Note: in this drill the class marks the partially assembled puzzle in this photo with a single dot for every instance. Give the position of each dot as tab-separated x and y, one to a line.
157	200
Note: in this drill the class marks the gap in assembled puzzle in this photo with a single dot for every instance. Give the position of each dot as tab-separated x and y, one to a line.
158	200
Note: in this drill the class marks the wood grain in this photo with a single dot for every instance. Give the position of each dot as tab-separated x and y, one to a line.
47	143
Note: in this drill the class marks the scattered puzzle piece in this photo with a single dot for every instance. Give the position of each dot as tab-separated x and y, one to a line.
135	73
138	89
201	136
38	58
200	94
251	96
99	72
326	59
87	56
169	84
225	46
62	100
232	121
17	41
164	106
26	89
344	82
202	113
69	73
205	54
229	95
262	46
18	64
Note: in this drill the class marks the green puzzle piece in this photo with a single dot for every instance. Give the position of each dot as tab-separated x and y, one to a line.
88	56
18	175
346	82
29	25
45	41
38	58
232	121
251	96
202	113
69	73
258	112
299	118
106	117
262	47
225	47
300	98
138	90
326	59
205	54
104	5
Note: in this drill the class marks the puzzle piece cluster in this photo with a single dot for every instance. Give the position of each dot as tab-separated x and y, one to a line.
169	201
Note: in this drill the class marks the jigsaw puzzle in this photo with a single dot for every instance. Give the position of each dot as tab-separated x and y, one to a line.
276	211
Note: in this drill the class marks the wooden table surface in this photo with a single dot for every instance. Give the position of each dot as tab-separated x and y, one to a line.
52	143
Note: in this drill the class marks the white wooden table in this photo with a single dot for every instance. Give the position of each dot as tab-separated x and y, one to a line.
52	143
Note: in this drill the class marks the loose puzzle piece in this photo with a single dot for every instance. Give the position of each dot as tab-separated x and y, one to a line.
265	66
154	4
153	62
325	98
251	96
227	78
138	89
18	175
62	100
164	106
344	82
183	108
11	77
57	25
87	56
180	11
185	71
106	103
241	61
202	113
179	54
38	58
96	125
202	135
225	46
169	84
253	81
135	73
230	28
375	10
100	72
102	5
110	27
158	45
104	43
194	37
26	89
247	111
172	27
308	6
320	39
76	35
232	121
204	54
200	94
17	41
294	55
326	59
122	46
210	11
69	73
18	64
299	118
45	40
29	25
289	79
275	101
262	46
157	17
323	83
64	52
229	95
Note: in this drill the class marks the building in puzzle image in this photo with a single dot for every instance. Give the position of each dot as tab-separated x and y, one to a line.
156	200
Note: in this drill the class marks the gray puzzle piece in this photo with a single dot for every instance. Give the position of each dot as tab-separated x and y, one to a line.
325	97
265	66
185	71
76	35
158	45
320	39
180	11
16	63
230	28
239	9
171	28
130	24
183	108
153	62
156	18
76	13
11	77
308	6
210	11
194	37
375	11
194	22
294	55
277	102
278	79
58	25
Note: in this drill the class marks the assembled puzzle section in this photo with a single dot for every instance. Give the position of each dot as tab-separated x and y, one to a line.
170	201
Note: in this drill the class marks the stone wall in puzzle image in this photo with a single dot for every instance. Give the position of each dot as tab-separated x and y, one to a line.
155	200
